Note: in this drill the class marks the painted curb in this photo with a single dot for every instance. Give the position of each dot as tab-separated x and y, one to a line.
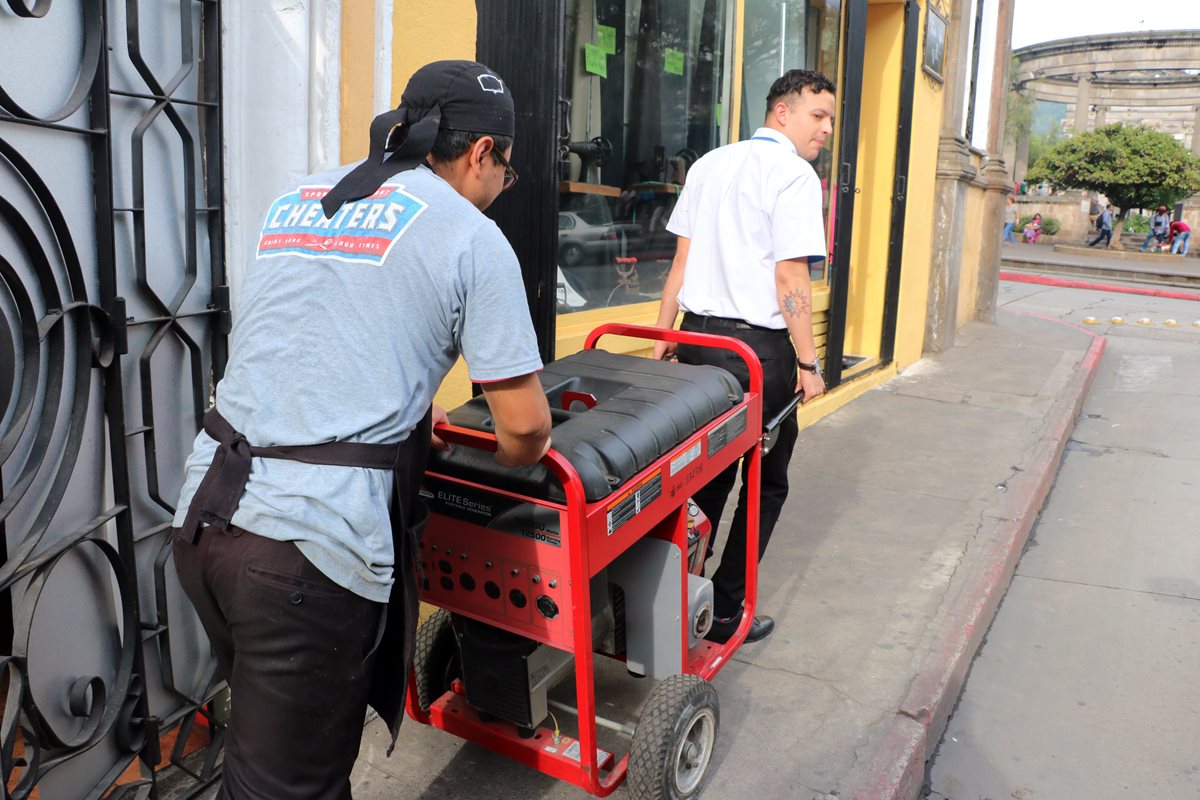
895	767
1017	277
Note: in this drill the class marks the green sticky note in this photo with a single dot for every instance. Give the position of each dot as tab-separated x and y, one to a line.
595	61
606	38
673	61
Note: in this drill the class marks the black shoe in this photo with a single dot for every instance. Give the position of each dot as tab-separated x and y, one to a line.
760	628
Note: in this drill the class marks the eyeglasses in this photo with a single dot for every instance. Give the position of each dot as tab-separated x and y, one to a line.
510	174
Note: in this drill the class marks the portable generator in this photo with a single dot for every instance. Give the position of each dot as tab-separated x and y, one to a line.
597	549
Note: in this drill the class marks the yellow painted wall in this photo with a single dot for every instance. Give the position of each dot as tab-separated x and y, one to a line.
356	88
878	122
422	31
928	97
429	30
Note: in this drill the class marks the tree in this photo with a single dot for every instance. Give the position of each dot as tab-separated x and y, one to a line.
1018	114
1042	143
1134	166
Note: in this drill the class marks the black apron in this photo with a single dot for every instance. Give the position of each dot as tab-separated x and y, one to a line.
221	490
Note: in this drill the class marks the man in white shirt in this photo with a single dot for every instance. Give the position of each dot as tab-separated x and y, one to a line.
749	220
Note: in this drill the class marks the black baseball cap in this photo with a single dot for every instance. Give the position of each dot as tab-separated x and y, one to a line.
445	95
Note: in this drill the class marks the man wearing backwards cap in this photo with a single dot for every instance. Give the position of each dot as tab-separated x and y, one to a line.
298	521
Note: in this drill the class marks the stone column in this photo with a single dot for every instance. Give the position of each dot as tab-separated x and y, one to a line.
954	173
995	173
1082	102
1010	155
1020	159
1101	115
1196	133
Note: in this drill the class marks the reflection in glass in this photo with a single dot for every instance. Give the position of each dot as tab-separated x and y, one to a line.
783	35
646	81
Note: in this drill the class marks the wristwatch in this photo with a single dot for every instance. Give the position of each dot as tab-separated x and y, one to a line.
814	367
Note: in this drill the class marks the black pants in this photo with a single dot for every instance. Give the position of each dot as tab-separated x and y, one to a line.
297	650
1105	235
778	357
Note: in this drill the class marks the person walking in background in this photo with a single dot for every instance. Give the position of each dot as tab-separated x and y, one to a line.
1104	224
1181	234
1160	225
1033	229
1010	221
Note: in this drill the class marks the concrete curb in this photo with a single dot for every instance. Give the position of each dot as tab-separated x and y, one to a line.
1101	287
894	769
1106	273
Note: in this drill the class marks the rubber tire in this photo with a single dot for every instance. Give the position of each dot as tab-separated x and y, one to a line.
436	659
669	713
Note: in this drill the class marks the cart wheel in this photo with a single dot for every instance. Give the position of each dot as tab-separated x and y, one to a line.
436	659
674	740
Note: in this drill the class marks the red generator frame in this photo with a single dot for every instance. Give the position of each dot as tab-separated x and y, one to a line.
561	572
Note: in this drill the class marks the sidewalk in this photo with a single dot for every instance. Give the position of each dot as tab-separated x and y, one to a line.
909	509
1100	263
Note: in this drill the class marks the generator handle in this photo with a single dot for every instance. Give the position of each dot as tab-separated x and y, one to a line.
554	461
771	426
684	337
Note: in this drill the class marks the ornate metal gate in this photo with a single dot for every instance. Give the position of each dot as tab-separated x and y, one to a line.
113	315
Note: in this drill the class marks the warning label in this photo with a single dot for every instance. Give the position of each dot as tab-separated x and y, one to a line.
629	504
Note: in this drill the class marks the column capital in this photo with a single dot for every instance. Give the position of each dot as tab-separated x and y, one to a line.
995	175
954	158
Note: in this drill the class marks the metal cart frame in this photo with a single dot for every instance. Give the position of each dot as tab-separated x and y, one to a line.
587	544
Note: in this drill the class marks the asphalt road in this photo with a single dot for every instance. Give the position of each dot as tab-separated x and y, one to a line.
1085	688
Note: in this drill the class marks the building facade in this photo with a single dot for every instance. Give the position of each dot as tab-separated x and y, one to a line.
141	146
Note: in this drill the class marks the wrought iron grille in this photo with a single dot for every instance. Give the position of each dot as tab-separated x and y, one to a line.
113	323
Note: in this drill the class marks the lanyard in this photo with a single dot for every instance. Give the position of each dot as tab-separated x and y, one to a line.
765	139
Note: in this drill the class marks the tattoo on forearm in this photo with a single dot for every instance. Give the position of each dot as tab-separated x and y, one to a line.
796	303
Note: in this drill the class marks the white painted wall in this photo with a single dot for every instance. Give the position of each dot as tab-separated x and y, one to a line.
280	64
987	56
983	89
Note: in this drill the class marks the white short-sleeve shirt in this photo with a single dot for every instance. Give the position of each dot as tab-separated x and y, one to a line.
744	207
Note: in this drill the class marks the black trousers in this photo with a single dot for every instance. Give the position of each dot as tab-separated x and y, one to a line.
1105	235
778	358
297	651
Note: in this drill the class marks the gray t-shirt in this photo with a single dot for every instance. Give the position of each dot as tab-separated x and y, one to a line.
345	330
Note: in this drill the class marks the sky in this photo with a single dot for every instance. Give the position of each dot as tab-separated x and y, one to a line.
1037	21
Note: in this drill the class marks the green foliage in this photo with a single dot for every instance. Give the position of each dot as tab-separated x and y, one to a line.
1133	166
1050	225
1136	223
1018	114
1042	143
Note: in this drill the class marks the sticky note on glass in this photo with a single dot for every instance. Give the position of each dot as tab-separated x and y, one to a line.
595	61
606	38
673	61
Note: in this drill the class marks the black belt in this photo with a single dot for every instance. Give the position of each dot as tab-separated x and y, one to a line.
704	322
221	490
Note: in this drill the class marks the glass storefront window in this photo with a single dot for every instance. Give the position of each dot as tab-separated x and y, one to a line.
647	82
783	35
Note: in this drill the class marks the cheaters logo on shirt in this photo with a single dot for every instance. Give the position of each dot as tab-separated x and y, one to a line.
362	232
